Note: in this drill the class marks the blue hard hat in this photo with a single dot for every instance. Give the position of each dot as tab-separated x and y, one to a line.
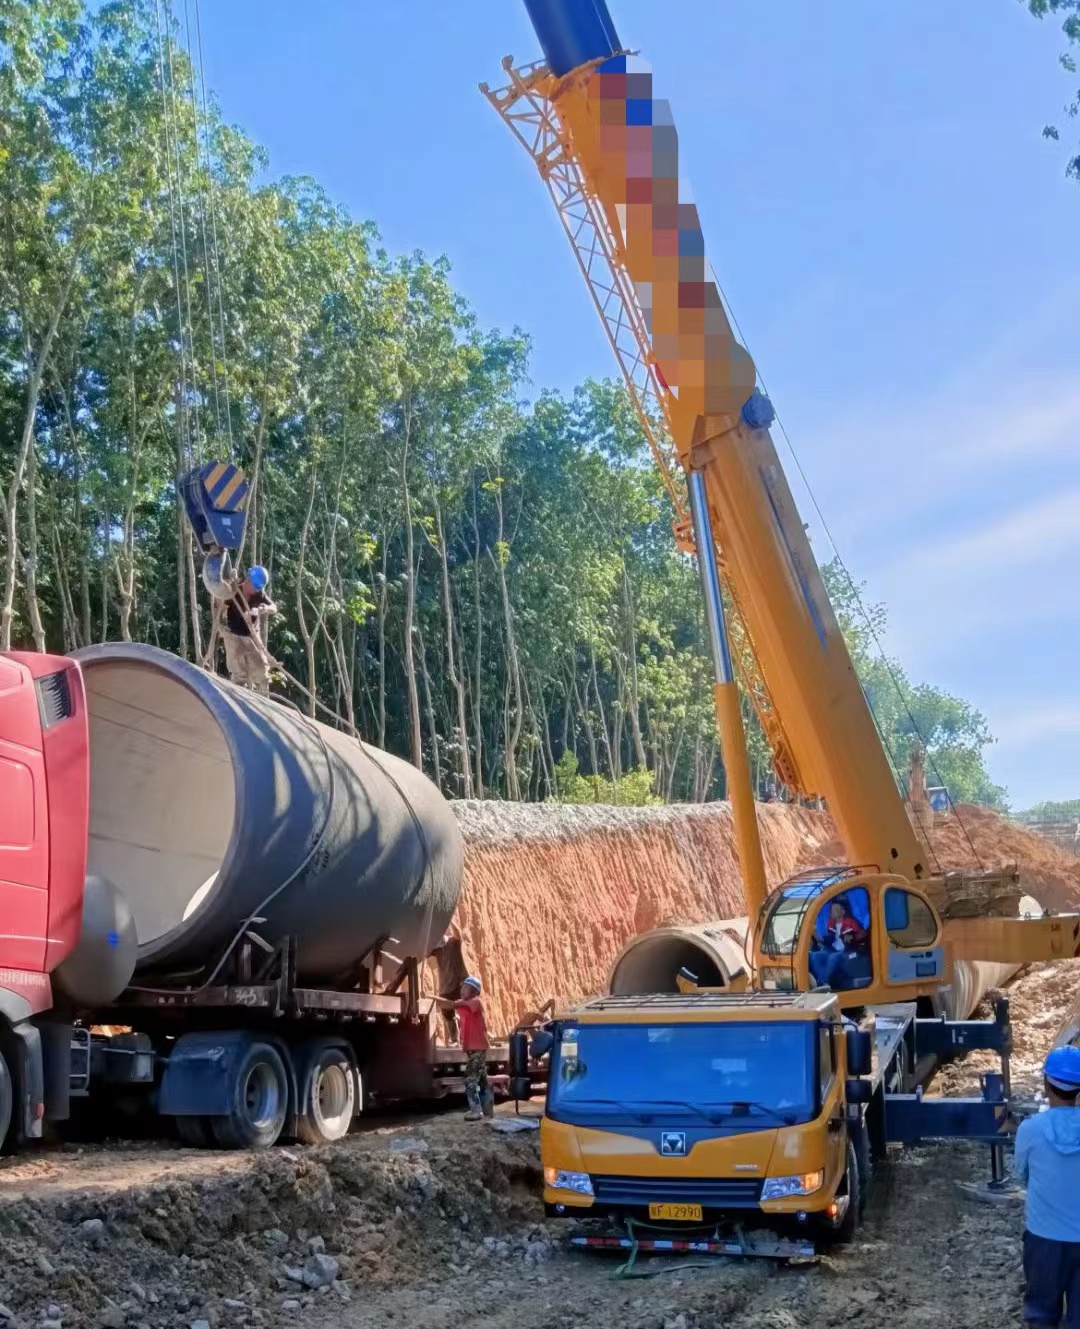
1062	1068
473	983
259	577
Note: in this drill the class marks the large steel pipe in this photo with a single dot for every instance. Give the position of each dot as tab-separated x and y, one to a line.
714	953
211	806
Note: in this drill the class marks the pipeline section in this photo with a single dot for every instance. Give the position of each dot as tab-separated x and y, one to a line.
214	809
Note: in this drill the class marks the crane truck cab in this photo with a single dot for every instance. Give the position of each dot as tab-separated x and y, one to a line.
706	1109
871	938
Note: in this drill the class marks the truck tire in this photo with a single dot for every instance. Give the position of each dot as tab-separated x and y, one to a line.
260	1097
845	1229
864	1164
327	1086
7	1101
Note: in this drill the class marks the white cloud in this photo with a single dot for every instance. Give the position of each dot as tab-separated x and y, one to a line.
1034	726
1042	532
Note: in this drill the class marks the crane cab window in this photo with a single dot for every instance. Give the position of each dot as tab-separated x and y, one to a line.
840	956
908	920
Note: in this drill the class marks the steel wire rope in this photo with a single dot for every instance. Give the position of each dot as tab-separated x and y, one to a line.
214	236
853	588
183	433
182	214
200	195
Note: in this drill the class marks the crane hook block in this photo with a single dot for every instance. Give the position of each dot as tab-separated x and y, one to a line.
215	500
758	412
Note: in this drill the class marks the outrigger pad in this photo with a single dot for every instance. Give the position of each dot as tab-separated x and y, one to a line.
215	499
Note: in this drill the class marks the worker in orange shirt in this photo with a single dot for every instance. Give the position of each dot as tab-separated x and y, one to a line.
469	1008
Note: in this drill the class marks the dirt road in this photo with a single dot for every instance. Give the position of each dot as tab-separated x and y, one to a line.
437	1224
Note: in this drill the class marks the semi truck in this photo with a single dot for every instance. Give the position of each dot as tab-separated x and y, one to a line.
214	909
727	1074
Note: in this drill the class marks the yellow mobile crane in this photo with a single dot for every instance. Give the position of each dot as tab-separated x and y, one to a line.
689	1105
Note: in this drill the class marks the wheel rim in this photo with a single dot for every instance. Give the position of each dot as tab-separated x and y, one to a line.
332	1094
262	1095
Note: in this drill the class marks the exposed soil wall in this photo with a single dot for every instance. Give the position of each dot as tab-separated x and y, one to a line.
552	892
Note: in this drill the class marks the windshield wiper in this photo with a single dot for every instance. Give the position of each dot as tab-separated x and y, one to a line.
696	1108
743	1105
608	1102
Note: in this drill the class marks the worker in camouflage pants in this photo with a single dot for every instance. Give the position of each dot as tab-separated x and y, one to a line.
469	1008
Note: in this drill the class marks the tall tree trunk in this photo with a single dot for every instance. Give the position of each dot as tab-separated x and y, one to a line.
635	697
415	741
194	582
429	710
383	592
586	721
37	364
600	710
516	716
478	655
33	555
451	660
306	634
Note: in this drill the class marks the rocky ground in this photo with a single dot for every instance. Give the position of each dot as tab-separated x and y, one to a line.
437	1224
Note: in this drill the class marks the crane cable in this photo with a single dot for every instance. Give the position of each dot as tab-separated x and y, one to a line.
868	621
215	304
187	327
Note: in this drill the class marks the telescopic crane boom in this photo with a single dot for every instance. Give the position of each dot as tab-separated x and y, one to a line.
607	149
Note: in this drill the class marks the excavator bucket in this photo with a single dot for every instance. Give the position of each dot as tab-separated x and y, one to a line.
215	499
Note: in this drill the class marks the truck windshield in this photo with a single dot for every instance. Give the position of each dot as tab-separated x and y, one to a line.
748	1075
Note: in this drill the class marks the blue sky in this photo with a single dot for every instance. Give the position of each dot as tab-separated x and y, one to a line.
895	238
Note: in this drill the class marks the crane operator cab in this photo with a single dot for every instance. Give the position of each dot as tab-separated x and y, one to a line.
870	938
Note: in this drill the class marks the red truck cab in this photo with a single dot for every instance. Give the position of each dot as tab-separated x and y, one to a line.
44	811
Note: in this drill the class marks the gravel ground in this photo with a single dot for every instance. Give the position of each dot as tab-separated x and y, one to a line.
436	1223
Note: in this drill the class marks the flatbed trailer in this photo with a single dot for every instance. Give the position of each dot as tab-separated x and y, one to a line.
199	1055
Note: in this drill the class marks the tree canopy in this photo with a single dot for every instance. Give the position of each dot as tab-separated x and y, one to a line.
487	584
1068	11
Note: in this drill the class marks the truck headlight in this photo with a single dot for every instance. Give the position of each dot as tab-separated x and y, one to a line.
779	1188
578	1182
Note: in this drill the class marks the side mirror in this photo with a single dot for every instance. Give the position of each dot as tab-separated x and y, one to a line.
858	1091
860	1052
542	1043
519	1054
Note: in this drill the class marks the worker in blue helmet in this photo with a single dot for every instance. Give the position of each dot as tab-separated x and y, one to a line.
1048	1164
245	655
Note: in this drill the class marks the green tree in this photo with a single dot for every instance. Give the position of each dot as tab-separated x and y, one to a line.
1068	11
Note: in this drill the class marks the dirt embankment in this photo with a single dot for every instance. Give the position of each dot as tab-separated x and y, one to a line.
552	892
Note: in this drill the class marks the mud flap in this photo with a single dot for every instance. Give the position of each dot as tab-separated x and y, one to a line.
199	1075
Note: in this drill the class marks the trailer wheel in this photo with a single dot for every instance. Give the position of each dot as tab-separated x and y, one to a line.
328	1083
260	1097
194	1131
7	1101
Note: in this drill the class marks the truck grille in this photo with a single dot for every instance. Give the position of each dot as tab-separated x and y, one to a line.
710	1192
54	696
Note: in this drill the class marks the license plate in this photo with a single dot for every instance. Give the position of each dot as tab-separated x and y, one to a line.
677	1213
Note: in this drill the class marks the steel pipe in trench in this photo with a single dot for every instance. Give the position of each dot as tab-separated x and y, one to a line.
211	805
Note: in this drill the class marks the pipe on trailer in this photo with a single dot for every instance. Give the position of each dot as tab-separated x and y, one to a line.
211	806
